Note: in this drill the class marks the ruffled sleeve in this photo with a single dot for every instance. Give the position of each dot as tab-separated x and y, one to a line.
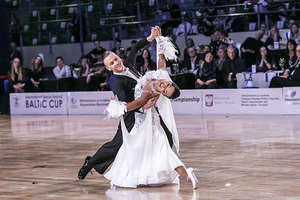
115	109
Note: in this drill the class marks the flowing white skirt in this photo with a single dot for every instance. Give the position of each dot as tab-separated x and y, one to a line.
145	157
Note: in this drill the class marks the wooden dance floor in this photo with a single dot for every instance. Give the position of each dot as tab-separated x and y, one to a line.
236	157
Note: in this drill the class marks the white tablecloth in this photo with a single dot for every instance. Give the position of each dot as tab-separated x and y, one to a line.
259	80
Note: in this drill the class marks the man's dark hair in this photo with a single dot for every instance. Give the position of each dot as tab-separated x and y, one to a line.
176	92
59	57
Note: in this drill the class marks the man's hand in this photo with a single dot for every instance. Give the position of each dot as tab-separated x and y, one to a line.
150	103
200	82
103	84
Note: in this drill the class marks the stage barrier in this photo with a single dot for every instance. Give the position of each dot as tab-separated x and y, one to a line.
194	102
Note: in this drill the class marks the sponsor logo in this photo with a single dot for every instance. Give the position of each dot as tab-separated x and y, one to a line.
73	100
16	101
209	100
291	96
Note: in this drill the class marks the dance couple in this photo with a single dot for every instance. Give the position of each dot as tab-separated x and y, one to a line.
141	152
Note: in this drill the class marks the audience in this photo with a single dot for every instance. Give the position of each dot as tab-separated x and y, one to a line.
96	51
191	64
98	77
214	65
117	48
206	74
232	66
290	57
36	73
145	63
17	76
188	43
293	33
264	62
292	78
61	70
83	69
250	48
219	62
273	38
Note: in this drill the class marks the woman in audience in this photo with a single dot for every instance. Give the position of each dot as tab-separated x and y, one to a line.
145	63
206	74
264	62
290	57
17	77
36	73
273	37
83	70
221	57
294	33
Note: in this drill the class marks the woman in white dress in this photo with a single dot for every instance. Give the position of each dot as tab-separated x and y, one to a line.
145	157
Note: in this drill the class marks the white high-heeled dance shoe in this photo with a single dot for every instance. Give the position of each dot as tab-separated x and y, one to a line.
193	177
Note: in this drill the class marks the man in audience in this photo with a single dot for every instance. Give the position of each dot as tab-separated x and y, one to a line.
290	79
99	77
189	42
232	66
61	70
250	48
117	49
97	50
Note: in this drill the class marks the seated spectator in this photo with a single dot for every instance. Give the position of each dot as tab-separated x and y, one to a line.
215	42
185	28
265	36
290	58
292	78
206	74
273	37
232	66
191	64
189	42
98	78
219	62
294	33
264	62
17	76
36	73
61	70
144	62
250	48
83	69
117	48
225	40
97	50
195	26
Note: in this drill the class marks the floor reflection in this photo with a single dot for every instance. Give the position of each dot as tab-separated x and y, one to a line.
170	192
